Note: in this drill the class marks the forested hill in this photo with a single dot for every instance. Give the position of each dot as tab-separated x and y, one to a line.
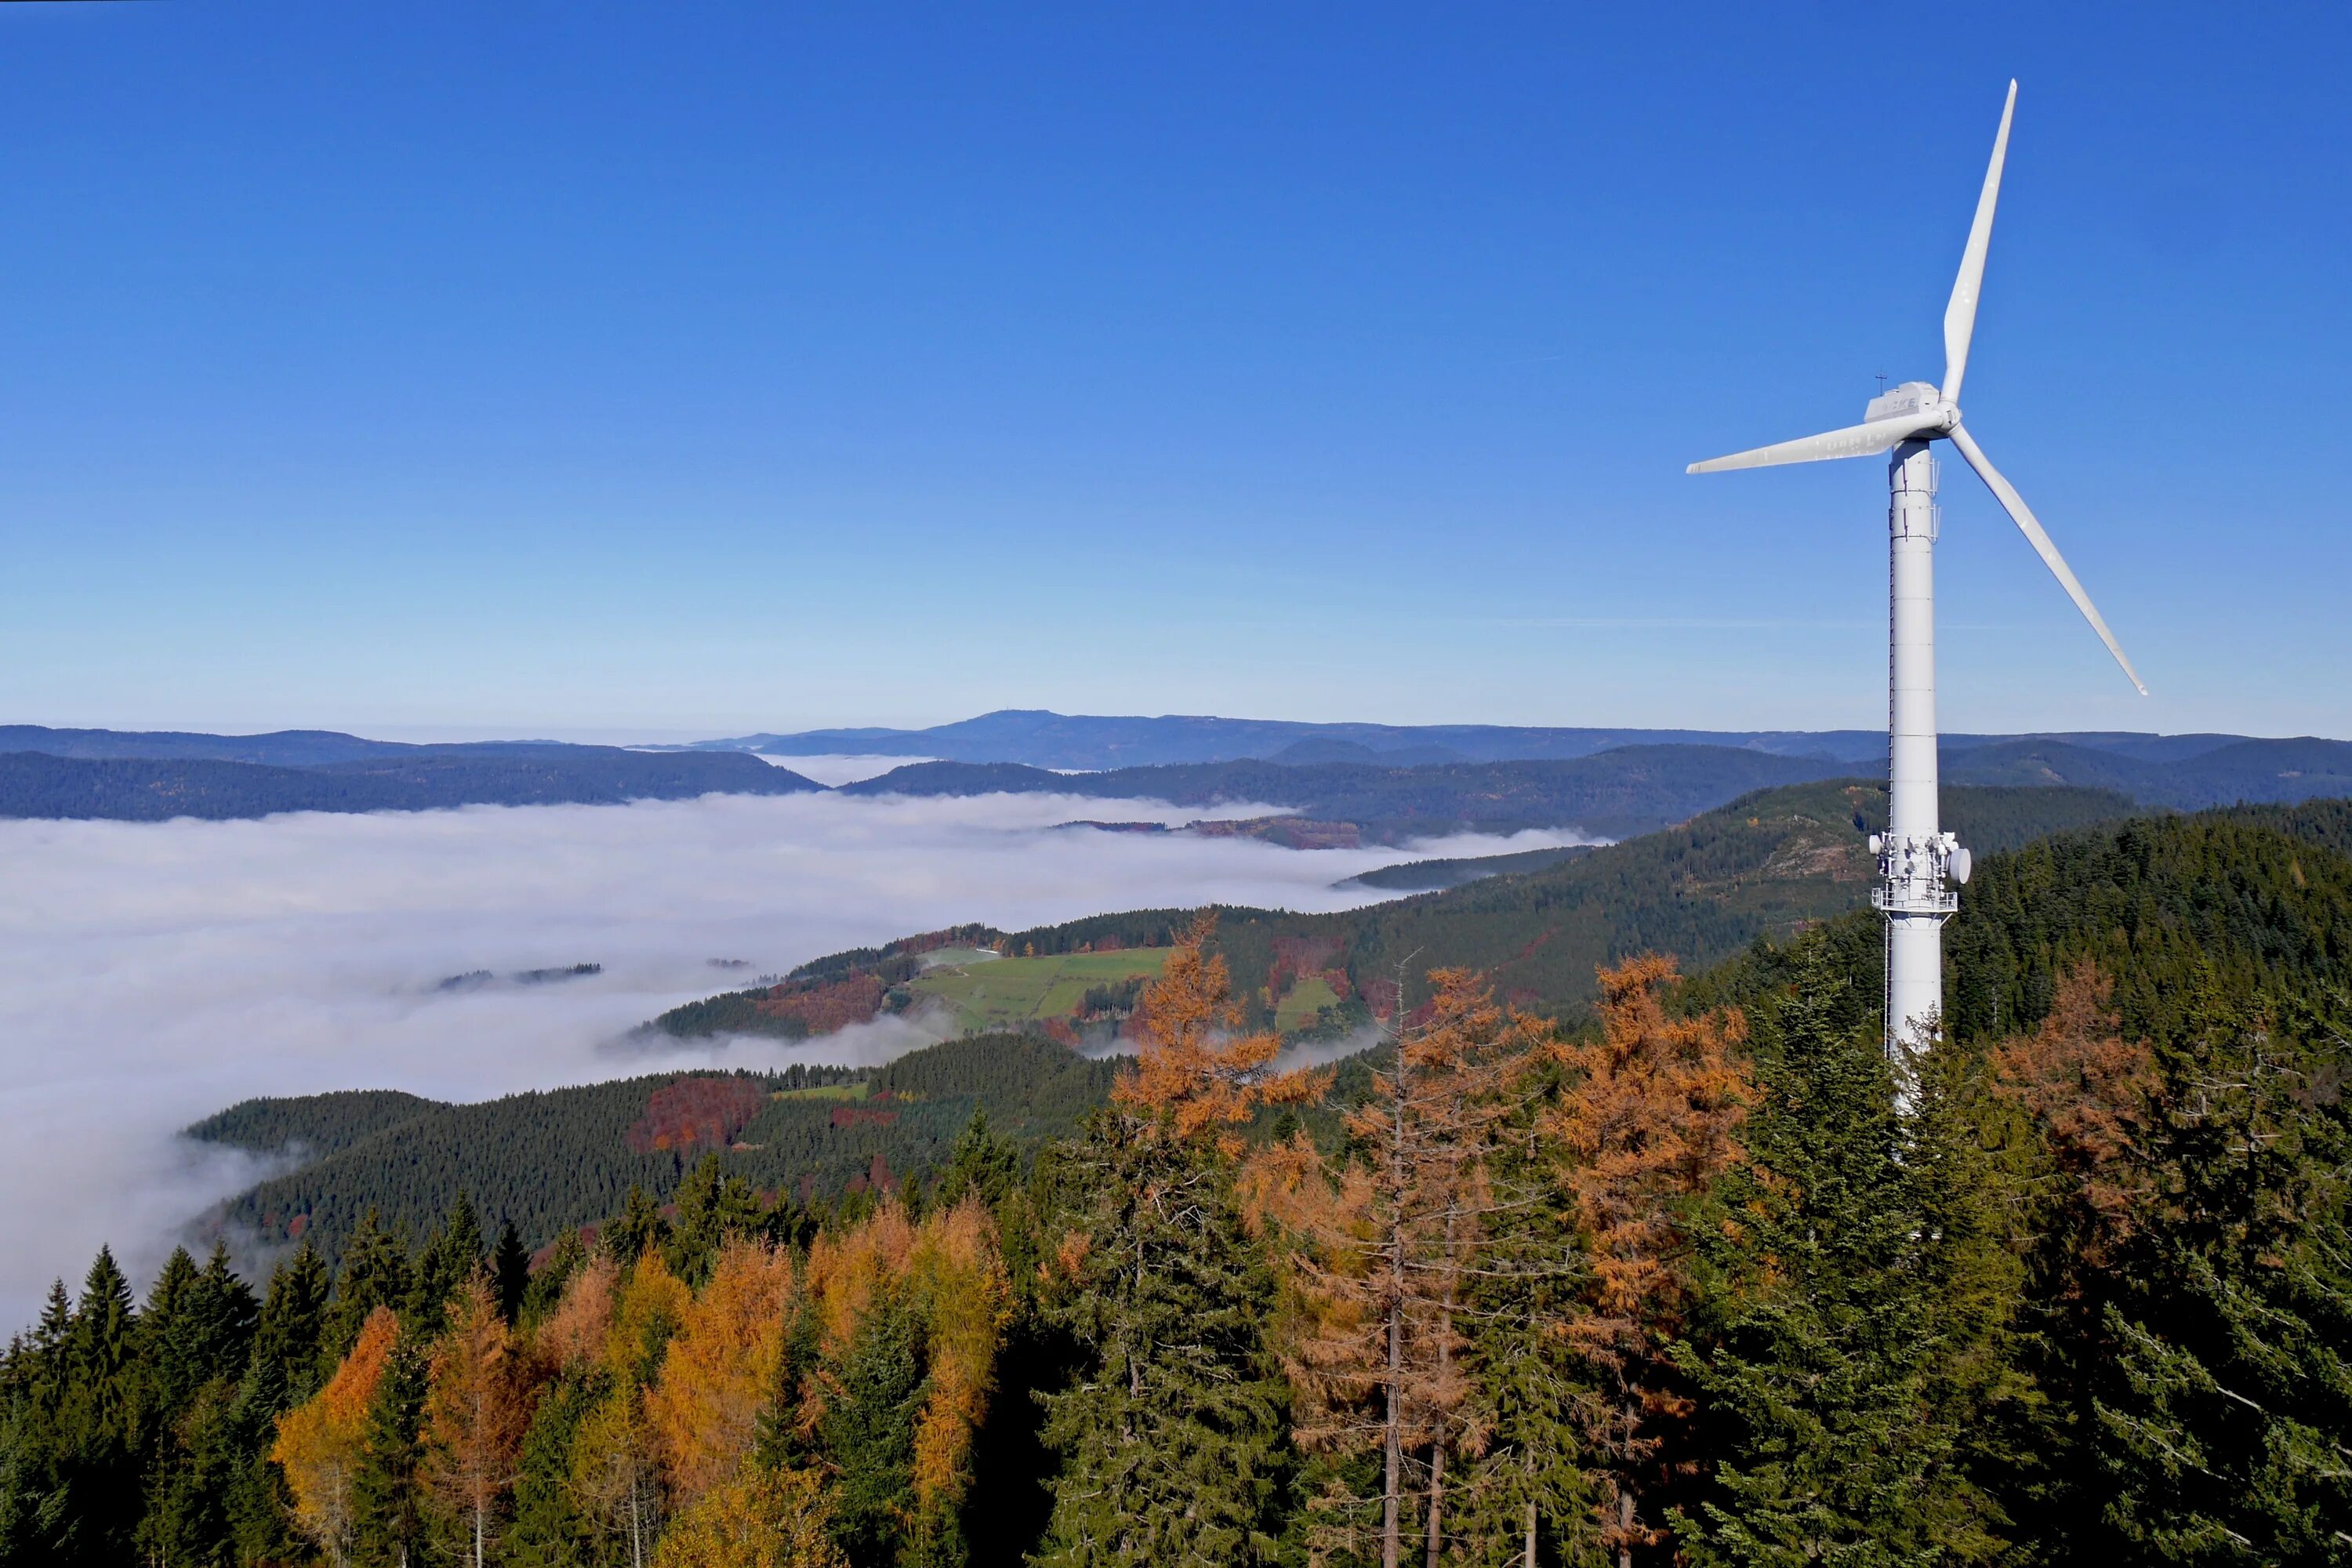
1635	789
408	778
1768	863
569	1156
2272	771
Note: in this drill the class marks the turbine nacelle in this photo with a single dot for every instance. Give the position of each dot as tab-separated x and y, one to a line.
1914	400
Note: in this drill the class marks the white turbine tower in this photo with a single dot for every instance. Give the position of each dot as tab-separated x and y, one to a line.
1919	865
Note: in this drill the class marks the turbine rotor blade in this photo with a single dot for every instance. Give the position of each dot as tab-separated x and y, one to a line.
1854	441
2014	504
1960	314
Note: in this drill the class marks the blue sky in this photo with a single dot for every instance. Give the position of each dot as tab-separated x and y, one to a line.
603	370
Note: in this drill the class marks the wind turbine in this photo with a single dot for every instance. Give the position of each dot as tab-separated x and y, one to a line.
1920	867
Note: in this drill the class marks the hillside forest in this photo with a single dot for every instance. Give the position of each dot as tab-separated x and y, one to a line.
1675	1283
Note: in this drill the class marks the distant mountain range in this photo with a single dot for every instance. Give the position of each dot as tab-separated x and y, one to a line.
1412	783
1039	738
155	777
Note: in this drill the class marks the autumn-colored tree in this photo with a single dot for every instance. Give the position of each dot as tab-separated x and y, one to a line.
760	1519
957	1278
1385	1248
647	1313
721	1371
1647	1122
615	1474
1191	1069
576	1333
2090	1094
947	1274
320	1442
477	1413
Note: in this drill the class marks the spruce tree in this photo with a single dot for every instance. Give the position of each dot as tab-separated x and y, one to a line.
510	1272
549	1529
1826	1381
389	1520
867	1432
1173	1436
638	1229
981	1163
712	1208
455	1251
38	1522
2225	1435
288	1335
376	1272
100	1416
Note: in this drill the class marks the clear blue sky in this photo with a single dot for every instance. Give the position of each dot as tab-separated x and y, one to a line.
576	369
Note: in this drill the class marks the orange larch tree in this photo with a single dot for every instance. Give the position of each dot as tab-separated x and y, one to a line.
476	1409
1648	1121
2091	1095
1384	1253
719	1374
1191	1068
319	1443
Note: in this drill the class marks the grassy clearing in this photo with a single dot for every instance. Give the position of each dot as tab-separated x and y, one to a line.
1307	998
1006	991
856	1091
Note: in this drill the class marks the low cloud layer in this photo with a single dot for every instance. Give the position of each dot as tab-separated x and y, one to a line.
150	974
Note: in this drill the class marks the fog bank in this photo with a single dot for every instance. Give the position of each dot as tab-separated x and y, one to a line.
150	974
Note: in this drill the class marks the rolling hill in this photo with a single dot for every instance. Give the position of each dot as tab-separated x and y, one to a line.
569	1156
1768	864
1635	789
